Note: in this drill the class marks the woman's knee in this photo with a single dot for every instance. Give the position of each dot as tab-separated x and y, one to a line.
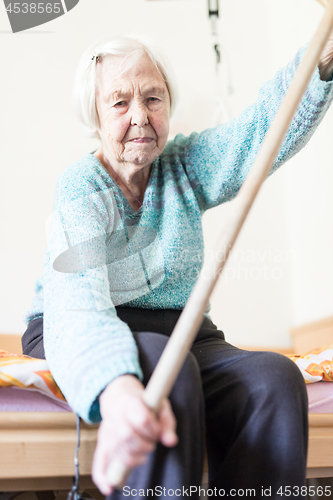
151	346
186	394
188	384
278	378
187	397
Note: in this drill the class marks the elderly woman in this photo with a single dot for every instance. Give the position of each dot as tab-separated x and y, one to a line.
124	252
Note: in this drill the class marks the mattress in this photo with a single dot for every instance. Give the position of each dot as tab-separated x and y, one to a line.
16	399
320	395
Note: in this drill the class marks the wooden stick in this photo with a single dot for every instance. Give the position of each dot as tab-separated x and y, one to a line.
177	348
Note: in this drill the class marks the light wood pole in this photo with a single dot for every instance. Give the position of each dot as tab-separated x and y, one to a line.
183	335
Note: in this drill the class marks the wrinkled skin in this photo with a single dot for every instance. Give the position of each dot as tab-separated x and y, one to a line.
133	108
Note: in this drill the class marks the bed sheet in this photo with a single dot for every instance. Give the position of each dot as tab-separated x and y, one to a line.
16	399
320	396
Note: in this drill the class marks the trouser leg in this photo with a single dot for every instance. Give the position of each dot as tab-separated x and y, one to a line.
180	467
256	418
32	339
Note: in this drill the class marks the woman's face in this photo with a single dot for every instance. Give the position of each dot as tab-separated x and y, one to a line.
133	109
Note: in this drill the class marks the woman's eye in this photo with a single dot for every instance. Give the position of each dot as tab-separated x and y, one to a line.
119	104
153	99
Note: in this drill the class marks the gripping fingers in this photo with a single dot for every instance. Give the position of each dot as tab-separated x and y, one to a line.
134	450
168	423
99	469
143	420
132	454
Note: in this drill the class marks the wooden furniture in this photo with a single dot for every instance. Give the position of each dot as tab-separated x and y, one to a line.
320	457
312	335
11	343
37	450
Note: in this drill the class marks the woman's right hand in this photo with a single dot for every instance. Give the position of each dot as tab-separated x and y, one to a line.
129	430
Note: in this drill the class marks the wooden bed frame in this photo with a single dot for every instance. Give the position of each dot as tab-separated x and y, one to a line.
37	448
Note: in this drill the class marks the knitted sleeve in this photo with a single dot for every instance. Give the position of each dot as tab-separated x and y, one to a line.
86	344
218	160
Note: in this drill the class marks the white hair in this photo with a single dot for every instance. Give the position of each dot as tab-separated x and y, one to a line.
131	48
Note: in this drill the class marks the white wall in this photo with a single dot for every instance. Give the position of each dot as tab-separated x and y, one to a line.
265	290
292	219
309	184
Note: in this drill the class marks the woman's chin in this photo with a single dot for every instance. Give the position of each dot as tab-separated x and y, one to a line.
142	158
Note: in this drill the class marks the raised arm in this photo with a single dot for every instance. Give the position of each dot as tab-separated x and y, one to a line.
218	160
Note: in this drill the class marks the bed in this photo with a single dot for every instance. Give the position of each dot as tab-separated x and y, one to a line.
38	439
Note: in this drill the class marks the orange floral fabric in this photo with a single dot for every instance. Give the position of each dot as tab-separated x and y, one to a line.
316	365
26	372
31	373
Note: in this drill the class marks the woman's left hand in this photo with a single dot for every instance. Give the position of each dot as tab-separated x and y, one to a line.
326	61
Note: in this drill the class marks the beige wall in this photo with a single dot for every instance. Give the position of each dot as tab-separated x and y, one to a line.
281	274
309	184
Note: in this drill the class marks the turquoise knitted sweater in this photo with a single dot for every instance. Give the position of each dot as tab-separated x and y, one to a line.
101	253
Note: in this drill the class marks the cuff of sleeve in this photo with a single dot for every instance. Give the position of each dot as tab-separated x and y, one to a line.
323	87
317	97
88	401
318	88
94	415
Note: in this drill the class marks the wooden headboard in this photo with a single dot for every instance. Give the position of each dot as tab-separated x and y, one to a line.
312	335
11	342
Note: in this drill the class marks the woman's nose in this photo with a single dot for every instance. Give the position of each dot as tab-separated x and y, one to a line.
139	115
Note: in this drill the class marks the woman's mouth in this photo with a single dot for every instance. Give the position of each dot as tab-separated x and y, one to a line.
142	140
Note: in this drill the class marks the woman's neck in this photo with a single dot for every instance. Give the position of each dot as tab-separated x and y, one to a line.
132	181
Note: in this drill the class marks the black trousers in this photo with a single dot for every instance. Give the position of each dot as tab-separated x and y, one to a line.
249	408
